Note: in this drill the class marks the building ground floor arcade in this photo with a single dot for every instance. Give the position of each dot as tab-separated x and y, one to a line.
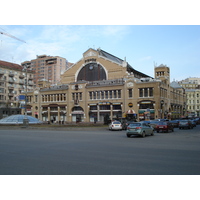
63	112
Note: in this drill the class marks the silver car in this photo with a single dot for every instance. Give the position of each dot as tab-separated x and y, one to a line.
139	128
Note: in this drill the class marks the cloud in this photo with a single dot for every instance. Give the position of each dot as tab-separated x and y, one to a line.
57	40
145	58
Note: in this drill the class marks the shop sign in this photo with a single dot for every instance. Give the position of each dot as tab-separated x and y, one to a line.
130	105
146	102
90	60
104	103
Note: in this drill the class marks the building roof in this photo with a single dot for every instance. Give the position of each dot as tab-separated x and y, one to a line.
10	65
174	84
110	56
120	61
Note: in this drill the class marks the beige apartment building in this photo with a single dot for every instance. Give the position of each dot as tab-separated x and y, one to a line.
47	69
192	89
101	85
13	79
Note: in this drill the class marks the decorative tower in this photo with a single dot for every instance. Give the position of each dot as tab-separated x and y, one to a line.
162	72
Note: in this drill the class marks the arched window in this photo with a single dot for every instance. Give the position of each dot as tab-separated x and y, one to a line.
92	72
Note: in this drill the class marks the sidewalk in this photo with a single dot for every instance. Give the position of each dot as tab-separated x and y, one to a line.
70	126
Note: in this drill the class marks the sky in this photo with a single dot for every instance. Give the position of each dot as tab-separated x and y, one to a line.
143	46
146	32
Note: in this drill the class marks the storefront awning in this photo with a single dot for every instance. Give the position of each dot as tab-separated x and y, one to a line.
130	112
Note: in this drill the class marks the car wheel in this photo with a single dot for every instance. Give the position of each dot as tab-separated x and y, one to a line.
143	134
128	135
152	133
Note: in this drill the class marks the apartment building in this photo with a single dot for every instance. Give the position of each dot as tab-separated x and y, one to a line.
192	89
47	69
101	85
13	81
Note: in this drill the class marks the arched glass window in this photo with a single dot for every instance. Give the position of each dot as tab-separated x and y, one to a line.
92	72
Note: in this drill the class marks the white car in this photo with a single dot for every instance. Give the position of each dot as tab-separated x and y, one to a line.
115	125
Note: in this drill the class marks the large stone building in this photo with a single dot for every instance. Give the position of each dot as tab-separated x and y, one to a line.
101	85
13	79
47	68
192	89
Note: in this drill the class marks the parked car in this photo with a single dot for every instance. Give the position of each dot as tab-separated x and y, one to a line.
154	123
115	125
164	126
127	124
185	124
193	123
197	120
174	123
139	128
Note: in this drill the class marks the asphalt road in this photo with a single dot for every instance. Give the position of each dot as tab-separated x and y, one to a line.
97	151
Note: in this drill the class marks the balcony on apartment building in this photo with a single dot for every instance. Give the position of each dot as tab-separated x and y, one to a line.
2	72
11	80
51	61
21	76
11	74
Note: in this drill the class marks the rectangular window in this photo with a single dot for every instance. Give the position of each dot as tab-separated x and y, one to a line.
145	92
36	98
106	94
116	107
90	94
115	94
119	94
151	92
130	93
80	96
104	107
102	94
94	95
141	92
110	92
98	95
93	107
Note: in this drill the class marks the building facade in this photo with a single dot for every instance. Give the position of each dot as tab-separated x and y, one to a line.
13	81
101	85
47	68
192	89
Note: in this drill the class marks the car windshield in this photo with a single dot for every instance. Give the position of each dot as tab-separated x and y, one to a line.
116	123
162	123
135	124
183	121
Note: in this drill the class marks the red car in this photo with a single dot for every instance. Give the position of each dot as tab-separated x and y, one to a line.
164	127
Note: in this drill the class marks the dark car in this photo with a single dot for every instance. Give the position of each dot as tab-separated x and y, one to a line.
185	124
127	124
197	120
193	122
164	126
153	123
174	123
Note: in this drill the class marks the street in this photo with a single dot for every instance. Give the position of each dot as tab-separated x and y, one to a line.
97	151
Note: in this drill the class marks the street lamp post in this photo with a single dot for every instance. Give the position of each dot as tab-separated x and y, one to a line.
25	120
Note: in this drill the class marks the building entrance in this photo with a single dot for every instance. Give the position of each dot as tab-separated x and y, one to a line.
77	114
